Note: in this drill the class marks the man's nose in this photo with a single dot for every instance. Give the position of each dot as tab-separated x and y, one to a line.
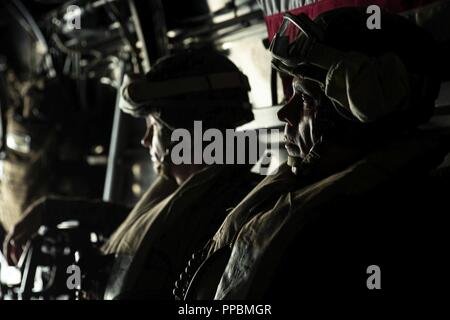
290	112
147	139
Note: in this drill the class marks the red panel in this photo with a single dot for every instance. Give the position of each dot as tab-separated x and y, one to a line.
273	22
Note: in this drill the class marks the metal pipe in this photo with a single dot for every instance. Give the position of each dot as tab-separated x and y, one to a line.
39	36
111	189
140	35
3	102
28	274
218	26
151	30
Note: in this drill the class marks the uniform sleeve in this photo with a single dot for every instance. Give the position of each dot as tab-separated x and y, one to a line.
370	88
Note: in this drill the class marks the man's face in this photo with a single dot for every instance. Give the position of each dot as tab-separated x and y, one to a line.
157	140
300	113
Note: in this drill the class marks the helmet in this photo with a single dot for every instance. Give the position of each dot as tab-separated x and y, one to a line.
192	85
310	49
345	30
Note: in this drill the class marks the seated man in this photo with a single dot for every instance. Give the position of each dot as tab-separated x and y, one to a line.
353	195
187	202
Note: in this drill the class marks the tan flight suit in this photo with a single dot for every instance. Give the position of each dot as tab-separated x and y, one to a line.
260	238
160	235
127	237
165	227
262	226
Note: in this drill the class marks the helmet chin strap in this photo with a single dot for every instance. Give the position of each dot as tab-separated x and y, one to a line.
294	163
303	166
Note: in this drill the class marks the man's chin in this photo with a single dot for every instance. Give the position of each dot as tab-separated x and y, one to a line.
295	154
293	150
